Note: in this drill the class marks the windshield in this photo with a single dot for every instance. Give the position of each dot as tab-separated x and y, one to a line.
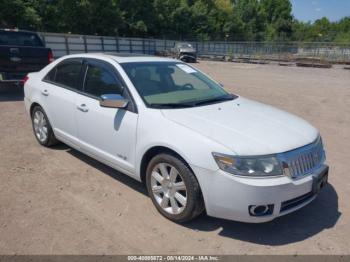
19	39
173	84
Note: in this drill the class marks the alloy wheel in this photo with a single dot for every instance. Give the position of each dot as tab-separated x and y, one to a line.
168	188
40	126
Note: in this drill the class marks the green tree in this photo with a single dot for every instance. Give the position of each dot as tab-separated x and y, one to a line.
322	31
343	30
253	17
89	17
230	21
202	26
138	18
238	20
300	31
173	18
279	19
19	14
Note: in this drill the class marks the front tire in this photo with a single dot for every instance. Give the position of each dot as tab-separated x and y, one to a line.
42	128
173	188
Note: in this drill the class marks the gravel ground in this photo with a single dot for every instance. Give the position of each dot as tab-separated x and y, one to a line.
58	201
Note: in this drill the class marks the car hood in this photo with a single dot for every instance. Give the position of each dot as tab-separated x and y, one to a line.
246	127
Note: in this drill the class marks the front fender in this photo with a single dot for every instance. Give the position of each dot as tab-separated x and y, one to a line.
156	130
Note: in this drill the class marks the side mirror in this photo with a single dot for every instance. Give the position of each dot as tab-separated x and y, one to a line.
113	101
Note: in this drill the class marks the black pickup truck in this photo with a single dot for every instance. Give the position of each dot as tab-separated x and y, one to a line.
21	52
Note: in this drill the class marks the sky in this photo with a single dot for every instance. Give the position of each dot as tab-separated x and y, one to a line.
311	10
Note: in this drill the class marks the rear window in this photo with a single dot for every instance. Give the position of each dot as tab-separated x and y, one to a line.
20	39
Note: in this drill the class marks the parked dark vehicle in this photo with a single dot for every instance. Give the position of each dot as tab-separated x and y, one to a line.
184	52
21	52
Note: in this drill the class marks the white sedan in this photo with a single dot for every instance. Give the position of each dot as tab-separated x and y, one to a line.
196	147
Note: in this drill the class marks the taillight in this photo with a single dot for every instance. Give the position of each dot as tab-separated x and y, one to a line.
24	80
50	56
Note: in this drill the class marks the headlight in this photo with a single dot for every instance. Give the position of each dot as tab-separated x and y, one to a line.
249	166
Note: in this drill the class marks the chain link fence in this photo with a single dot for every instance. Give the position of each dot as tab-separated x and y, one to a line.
63	44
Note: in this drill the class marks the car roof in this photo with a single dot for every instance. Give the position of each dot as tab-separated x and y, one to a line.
124	57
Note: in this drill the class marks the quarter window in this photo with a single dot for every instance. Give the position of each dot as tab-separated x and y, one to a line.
51	75
100	81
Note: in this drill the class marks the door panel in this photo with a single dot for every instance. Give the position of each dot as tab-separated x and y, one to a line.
59	92
62	106
107	133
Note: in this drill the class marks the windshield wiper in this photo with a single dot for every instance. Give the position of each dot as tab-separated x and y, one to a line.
171	105
215	100
193	104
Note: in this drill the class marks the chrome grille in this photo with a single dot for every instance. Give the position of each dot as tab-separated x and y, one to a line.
303	161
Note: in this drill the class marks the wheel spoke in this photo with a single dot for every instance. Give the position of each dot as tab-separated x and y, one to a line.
157	189
43	135
40	134
37	115
157	177
174	205
165	202
44	129
43	122
180	198
40	117
36	121
163	170
179	186
173	174
36	127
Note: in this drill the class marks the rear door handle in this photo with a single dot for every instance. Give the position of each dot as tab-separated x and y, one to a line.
45	92
82	108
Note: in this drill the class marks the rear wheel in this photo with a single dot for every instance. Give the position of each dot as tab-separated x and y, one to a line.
173	188
42	128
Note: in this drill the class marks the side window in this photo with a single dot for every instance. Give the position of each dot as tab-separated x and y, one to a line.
68	74
51	75
100	81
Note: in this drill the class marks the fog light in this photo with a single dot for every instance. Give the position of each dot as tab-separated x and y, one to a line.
260	210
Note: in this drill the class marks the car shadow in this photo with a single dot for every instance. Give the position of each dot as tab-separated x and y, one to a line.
132	183
319	215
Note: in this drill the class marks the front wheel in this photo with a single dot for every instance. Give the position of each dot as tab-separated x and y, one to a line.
173	188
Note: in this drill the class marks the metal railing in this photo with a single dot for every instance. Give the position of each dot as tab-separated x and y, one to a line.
63	44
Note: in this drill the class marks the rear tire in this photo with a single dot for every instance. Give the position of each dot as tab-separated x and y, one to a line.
173	188
42	128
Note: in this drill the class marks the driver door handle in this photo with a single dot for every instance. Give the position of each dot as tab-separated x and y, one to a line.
83	108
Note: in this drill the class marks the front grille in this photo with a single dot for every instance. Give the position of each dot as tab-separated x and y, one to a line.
305	160
289	204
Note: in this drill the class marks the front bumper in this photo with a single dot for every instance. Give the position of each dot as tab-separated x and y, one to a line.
229	197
